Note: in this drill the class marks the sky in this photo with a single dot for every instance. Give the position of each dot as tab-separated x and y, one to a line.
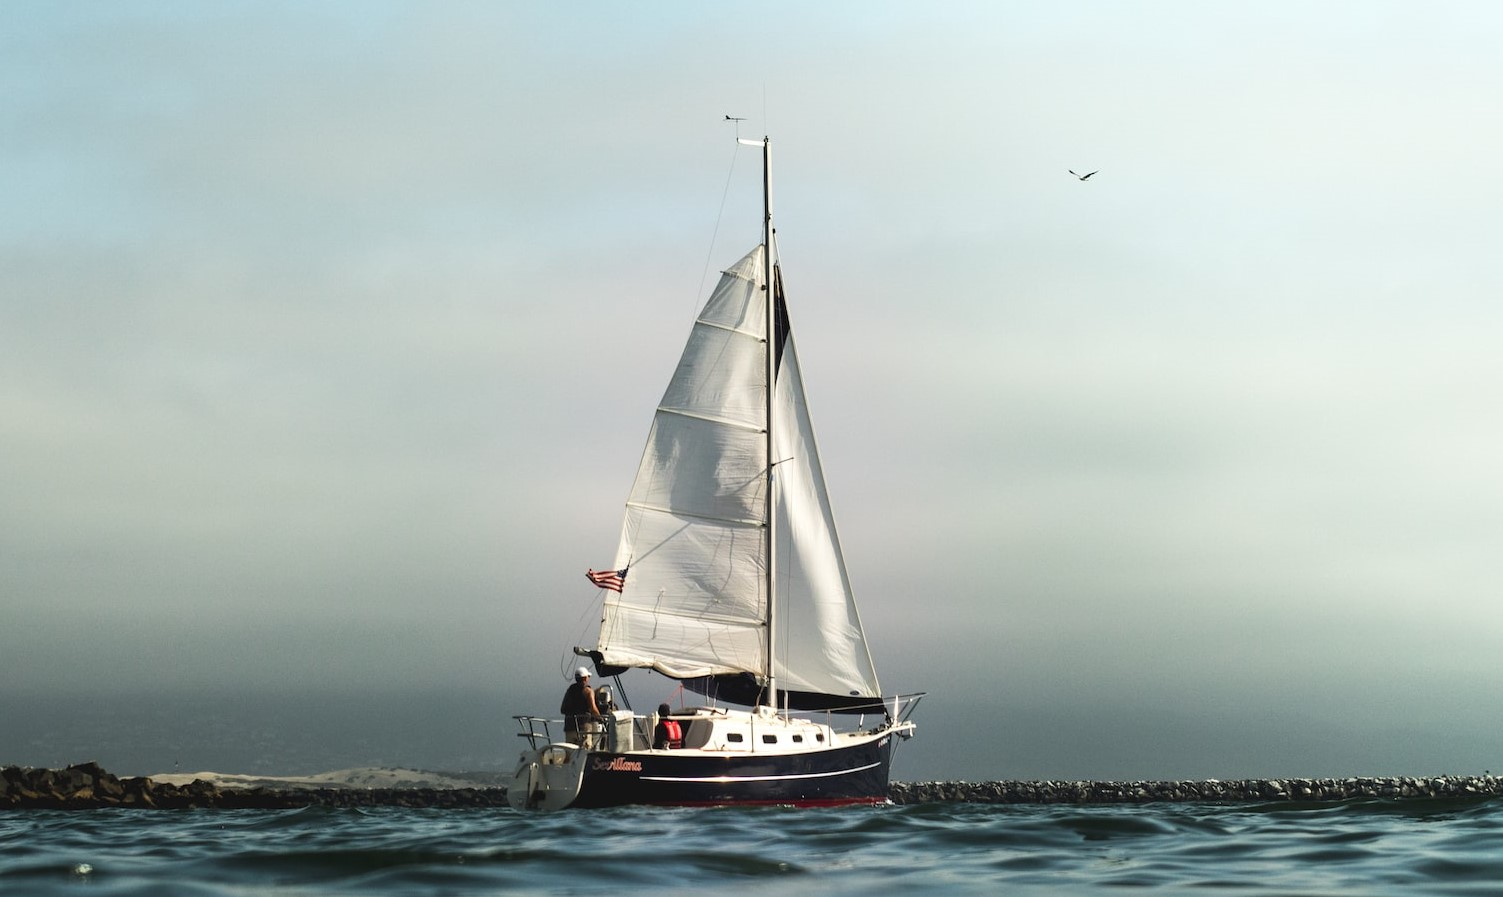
330	334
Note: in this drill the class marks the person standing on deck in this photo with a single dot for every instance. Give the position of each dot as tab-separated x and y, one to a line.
581	716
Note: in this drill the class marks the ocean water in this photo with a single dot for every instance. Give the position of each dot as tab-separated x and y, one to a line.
1357	848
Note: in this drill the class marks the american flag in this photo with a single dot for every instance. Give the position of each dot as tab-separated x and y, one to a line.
614	580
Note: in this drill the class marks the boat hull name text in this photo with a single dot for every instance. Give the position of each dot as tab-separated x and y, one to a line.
617	764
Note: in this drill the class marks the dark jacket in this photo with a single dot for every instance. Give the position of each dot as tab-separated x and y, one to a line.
576	702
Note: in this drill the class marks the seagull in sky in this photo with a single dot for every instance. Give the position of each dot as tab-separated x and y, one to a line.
1081	176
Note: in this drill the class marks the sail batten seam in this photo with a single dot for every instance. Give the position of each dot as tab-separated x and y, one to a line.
729	329
733	521
724	421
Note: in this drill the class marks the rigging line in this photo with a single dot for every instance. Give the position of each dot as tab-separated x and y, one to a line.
582	622
719	216
582	626
622	688
765	125
566	662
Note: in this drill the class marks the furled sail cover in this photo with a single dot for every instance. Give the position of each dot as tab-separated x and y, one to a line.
694	603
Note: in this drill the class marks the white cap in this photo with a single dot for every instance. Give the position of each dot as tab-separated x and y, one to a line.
581	673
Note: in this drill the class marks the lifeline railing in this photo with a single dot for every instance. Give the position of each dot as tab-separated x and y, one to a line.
529	725
597	734
897	710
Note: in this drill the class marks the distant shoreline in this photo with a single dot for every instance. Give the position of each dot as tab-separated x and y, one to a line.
88	786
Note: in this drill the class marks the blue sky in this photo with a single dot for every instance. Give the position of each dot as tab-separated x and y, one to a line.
330	334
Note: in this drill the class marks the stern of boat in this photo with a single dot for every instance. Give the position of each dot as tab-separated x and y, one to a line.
549	773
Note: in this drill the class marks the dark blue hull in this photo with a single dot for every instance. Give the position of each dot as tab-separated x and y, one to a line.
856	774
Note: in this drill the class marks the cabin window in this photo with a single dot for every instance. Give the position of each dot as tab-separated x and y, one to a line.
733	736
769	739
798	739
819	737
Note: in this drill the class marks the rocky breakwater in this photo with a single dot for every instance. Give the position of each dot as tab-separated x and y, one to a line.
1212	791
86	786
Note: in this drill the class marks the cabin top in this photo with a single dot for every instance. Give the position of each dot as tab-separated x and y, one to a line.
710	729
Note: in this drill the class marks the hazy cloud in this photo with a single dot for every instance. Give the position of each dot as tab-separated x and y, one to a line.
329	336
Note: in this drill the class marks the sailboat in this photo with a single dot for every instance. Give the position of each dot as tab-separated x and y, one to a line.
729	578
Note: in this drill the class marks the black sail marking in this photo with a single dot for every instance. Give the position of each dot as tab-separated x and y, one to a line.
780	324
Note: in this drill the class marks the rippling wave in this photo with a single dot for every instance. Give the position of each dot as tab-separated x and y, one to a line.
1375	847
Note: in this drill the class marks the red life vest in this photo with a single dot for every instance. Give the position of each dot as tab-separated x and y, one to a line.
675	734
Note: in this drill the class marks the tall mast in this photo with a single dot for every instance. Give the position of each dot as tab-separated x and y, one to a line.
771	361
772	355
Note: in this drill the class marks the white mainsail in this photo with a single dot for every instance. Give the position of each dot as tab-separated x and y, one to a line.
695	538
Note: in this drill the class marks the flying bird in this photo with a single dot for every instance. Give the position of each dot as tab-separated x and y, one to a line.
1082	176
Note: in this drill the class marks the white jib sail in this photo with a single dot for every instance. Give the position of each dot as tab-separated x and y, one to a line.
694	603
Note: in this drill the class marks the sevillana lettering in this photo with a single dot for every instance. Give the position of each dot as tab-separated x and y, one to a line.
619	764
